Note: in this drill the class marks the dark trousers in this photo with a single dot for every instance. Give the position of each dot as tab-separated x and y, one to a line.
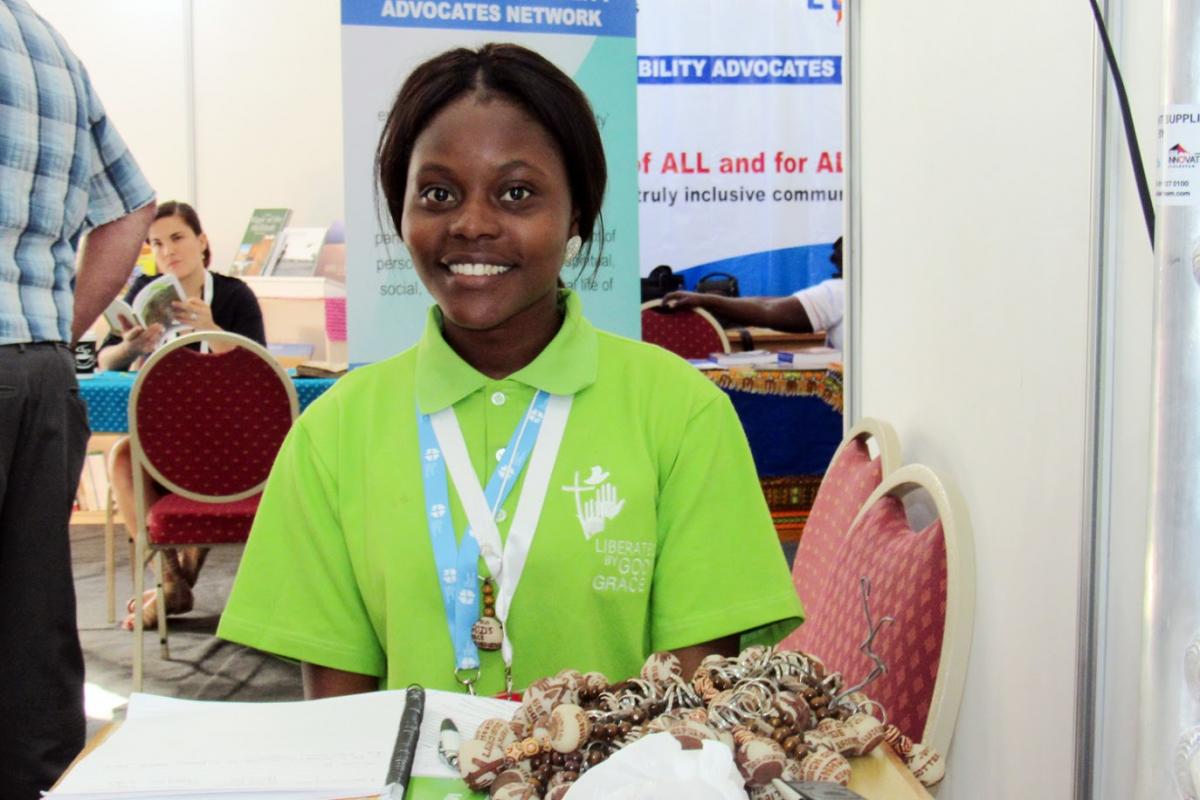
43	440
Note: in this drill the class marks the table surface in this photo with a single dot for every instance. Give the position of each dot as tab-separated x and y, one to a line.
879	776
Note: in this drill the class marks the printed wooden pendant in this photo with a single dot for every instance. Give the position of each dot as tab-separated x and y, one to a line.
487	633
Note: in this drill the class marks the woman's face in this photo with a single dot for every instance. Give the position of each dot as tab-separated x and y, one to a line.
177	249
487	213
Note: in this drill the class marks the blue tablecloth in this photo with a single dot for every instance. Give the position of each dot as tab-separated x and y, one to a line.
792	419
107	396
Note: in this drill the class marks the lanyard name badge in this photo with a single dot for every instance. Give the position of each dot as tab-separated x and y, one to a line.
536	439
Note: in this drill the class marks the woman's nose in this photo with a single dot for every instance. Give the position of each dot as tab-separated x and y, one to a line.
476	218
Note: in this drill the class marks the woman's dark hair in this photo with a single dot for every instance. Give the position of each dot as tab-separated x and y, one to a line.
177	208
520	76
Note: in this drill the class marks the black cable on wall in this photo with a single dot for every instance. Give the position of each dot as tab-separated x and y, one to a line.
1135	153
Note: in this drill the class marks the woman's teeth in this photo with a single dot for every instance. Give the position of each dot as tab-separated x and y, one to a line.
478	269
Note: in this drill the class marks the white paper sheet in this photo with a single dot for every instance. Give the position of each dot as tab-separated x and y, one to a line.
322	748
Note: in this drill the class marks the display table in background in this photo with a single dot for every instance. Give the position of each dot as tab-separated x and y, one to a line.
793	421
107	396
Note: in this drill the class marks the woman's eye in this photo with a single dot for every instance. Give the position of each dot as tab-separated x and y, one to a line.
437	194
516	194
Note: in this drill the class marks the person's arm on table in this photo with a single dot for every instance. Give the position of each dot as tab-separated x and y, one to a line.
690	657
105	260
780	313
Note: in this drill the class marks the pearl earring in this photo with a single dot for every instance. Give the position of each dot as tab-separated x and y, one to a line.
573	246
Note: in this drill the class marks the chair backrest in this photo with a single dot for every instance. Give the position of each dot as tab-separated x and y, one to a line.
207	426
851	477
925	580
688	333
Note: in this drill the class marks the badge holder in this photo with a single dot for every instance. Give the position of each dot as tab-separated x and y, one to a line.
467	678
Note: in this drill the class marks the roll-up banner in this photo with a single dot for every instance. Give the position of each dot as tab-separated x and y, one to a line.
593	41
740	136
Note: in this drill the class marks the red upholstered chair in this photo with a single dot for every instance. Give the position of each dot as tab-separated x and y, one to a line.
852	475
925	580
207	428
688	333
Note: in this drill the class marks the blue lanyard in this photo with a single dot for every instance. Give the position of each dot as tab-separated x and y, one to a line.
458	563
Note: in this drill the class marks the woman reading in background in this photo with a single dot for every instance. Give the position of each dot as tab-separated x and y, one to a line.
214	303
519	492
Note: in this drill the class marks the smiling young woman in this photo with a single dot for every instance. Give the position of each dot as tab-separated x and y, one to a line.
519	493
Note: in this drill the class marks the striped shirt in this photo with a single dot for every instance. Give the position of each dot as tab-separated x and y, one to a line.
64	170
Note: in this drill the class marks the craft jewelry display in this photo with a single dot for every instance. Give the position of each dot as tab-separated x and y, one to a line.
781	713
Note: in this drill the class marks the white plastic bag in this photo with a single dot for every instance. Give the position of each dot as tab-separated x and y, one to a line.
656	766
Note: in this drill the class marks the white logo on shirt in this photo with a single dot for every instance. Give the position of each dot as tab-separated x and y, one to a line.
602	505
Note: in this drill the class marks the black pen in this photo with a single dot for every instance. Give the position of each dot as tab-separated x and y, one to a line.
405	749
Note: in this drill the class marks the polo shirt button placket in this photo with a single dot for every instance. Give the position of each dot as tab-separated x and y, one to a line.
499	398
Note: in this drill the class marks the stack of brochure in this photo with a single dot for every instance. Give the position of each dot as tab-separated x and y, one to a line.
810	358
335	748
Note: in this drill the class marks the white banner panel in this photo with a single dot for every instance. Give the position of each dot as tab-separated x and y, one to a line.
740	136
382	41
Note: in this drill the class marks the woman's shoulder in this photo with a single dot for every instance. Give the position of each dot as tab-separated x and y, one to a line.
229	284
652	368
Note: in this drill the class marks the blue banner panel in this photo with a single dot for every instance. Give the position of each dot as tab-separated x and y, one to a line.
584	17
708	69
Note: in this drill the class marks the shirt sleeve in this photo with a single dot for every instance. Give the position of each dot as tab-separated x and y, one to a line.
720	569
824	303
296	592
117	185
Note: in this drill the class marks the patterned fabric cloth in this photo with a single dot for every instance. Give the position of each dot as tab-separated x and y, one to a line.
823	383
107	397
175	520
849	482
211	424
907	570
64	169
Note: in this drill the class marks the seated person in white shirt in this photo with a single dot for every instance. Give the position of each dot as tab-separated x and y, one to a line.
817	308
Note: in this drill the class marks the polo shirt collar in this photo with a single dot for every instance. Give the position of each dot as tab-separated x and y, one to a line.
566	365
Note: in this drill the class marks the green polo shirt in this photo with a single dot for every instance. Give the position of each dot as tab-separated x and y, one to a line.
339	570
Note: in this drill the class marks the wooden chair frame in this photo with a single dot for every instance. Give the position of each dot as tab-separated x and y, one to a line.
885	439
144	549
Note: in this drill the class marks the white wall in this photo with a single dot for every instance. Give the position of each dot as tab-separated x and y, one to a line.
134	53
267	101
268	113
977	131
